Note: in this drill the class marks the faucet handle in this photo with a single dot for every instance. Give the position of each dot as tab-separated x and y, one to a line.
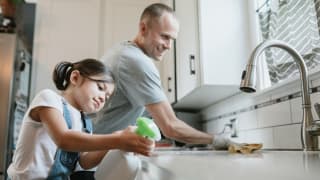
317	108
314	129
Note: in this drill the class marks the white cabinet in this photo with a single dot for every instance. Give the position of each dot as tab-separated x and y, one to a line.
187	47
216	34
71	30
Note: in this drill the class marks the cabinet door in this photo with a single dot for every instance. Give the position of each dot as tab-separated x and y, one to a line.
120	23
217	35
187	47
167	73
224	40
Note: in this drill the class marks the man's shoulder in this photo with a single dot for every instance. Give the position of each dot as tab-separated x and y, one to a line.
133	57
127	58
131	52
124	52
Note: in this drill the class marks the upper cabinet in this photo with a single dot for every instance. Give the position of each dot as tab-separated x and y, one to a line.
212	48
187	47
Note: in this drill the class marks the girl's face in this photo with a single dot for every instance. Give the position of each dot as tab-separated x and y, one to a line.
91	93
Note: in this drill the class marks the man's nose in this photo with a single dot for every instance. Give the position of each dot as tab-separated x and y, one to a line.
168	44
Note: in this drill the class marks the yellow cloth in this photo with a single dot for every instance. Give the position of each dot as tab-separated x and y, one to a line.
244	148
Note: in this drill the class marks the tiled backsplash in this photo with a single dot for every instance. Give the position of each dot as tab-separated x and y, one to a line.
271	118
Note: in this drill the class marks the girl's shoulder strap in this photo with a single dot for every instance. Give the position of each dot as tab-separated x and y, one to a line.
87	123
66	114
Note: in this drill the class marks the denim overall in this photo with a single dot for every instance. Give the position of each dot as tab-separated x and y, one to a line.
64	161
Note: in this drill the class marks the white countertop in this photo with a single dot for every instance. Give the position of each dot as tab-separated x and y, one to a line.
221	165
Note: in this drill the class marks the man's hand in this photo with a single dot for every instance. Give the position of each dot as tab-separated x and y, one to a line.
221	142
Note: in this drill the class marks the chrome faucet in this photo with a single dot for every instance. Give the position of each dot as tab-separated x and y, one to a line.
309	138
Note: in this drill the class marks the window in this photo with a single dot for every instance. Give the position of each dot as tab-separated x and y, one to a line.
296	22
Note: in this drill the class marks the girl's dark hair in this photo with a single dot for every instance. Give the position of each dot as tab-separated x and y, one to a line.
86	67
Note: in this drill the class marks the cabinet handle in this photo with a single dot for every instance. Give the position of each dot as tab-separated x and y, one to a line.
192	64
169	79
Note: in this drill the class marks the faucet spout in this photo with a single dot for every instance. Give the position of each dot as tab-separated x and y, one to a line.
248	84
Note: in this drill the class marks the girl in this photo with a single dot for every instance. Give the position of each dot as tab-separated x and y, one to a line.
53	123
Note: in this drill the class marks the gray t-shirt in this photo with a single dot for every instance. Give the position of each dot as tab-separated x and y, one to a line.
137	84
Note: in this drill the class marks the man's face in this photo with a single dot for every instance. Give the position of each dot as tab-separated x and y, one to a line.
159	36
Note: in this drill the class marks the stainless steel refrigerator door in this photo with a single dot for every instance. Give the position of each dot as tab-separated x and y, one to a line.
7	56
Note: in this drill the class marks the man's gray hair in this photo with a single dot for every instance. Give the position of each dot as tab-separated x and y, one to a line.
154	11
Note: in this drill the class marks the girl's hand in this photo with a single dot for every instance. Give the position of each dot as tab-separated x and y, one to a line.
131	142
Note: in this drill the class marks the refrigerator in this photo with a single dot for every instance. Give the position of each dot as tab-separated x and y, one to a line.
16	45
7	59
15	78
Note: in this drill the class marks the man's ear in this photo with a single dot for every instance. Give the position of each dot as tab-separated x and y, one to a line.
143	27
75	77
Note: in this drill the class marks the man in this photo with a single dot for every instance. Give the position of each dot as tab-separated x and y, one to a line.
138	81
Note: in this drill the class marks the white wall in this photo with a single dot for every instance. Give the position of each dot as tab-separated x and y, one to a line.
276	125
64	31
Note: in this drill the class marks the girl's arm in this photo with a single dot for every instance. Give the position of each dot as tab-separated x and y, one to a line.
89	160
71	140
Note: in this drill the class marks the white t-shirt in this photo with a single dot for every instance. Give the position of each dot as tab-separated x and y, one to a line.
35	150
